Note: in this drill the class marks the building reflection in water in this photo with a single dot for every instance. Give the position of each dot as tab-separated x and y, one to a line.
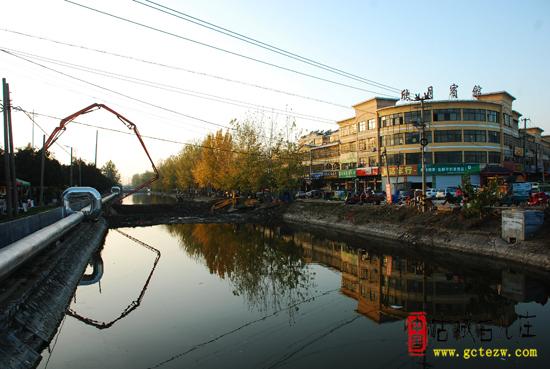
270	265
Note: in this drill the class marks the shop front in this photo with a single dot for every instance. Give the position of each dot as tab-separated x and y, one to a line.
451	175
368	177
347	179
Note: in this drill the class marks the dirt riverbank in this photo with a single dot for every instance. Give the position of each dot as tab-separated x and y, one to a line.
423	231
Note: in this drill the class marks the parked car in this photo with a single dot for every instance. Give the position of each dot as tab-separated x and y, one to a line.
440	194
300	195
314	194
431	193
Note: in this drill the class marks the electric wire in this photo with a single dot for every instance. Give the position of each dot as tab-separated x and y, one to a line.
167	140
168	33
173	67
116	92
171	88
263	45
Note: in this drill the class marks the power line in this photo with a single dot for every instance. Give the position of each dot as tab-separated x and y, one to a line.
173	67
122	94
170	88
263	45
147	136
115	92
18	108
225	50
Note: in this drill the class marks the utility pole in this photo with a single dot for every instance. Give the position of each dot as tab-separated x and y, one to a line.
7	107
32	138
71	169
7	169
423	141
95	156
525	145
42	170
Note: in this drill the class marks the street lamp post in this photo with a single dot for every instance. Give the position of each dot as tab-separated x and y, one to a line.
423	141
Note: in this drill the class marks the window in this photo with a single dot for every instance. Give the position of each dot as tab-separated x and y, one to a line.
344	131
396	119
362	145
373	161
362	126
353	129
413	158
385	121
493	116
371	124
399	139
494	157
472	135
414	116
395	159
475	157
507	118
388	140
474	114
449	157
448	136
412	138
493	136
441	115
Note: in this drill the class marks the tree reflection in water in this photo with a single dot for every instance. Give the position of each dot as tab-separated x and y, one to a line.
267	270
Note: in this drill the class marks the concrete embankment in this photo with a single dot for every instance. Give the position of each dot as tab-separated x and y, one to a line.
33	299
421	231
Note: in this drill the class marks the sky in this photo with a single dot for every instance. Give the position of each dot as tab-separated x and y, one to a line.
157	80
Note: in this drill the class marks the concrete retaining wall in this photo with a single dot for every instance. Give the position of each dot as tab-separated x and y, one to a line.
17	229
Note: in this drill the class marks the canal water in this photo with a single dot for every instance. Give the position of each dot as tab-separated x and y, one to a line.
246	296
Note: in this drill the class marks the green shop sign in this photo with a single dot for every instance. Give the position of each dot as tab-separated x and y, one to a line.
347	173
450	169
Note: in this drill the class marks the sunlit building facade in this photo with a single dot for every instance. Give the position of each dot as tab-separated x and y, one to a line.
478	138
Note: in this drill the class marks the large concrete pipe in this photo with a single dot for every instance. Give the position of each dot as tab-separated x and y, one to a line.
15	254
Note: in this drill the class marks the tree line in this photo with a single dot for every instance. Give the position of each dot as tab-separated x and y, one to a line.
56	175
243	158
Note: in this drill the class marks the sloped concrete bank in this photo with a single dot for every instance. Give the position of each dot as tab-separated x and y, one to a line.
33	300
535	253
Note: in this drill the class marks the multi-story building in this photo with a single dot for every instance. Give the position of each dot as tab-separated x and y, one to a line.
321	154
479	138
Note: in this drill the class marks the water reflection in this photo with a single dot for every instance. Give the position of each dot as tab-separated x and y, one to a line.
95	277
265	269
310	300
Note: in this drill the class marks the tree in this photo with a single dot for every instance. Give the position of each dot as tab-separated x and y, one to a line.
110	171
216	161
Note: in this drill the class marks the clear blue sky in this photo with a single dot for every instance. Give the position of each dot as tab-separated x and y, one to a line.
500	45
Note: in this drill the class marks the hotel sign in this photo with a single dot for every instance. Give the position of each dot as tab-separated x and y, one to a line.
450	169
401	170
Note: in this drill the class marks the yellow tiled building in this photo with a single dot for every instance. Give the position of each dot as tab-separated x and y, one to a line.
476	137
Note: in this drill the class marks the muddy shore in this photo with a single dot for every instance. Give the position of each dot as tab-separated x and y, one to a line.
423	231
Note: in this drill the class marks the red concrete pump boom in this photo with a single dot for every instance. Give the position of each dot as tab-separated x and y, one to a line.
63	126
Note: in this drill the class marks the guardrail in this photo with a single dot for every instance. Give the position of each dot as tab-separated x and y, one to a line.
18	252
